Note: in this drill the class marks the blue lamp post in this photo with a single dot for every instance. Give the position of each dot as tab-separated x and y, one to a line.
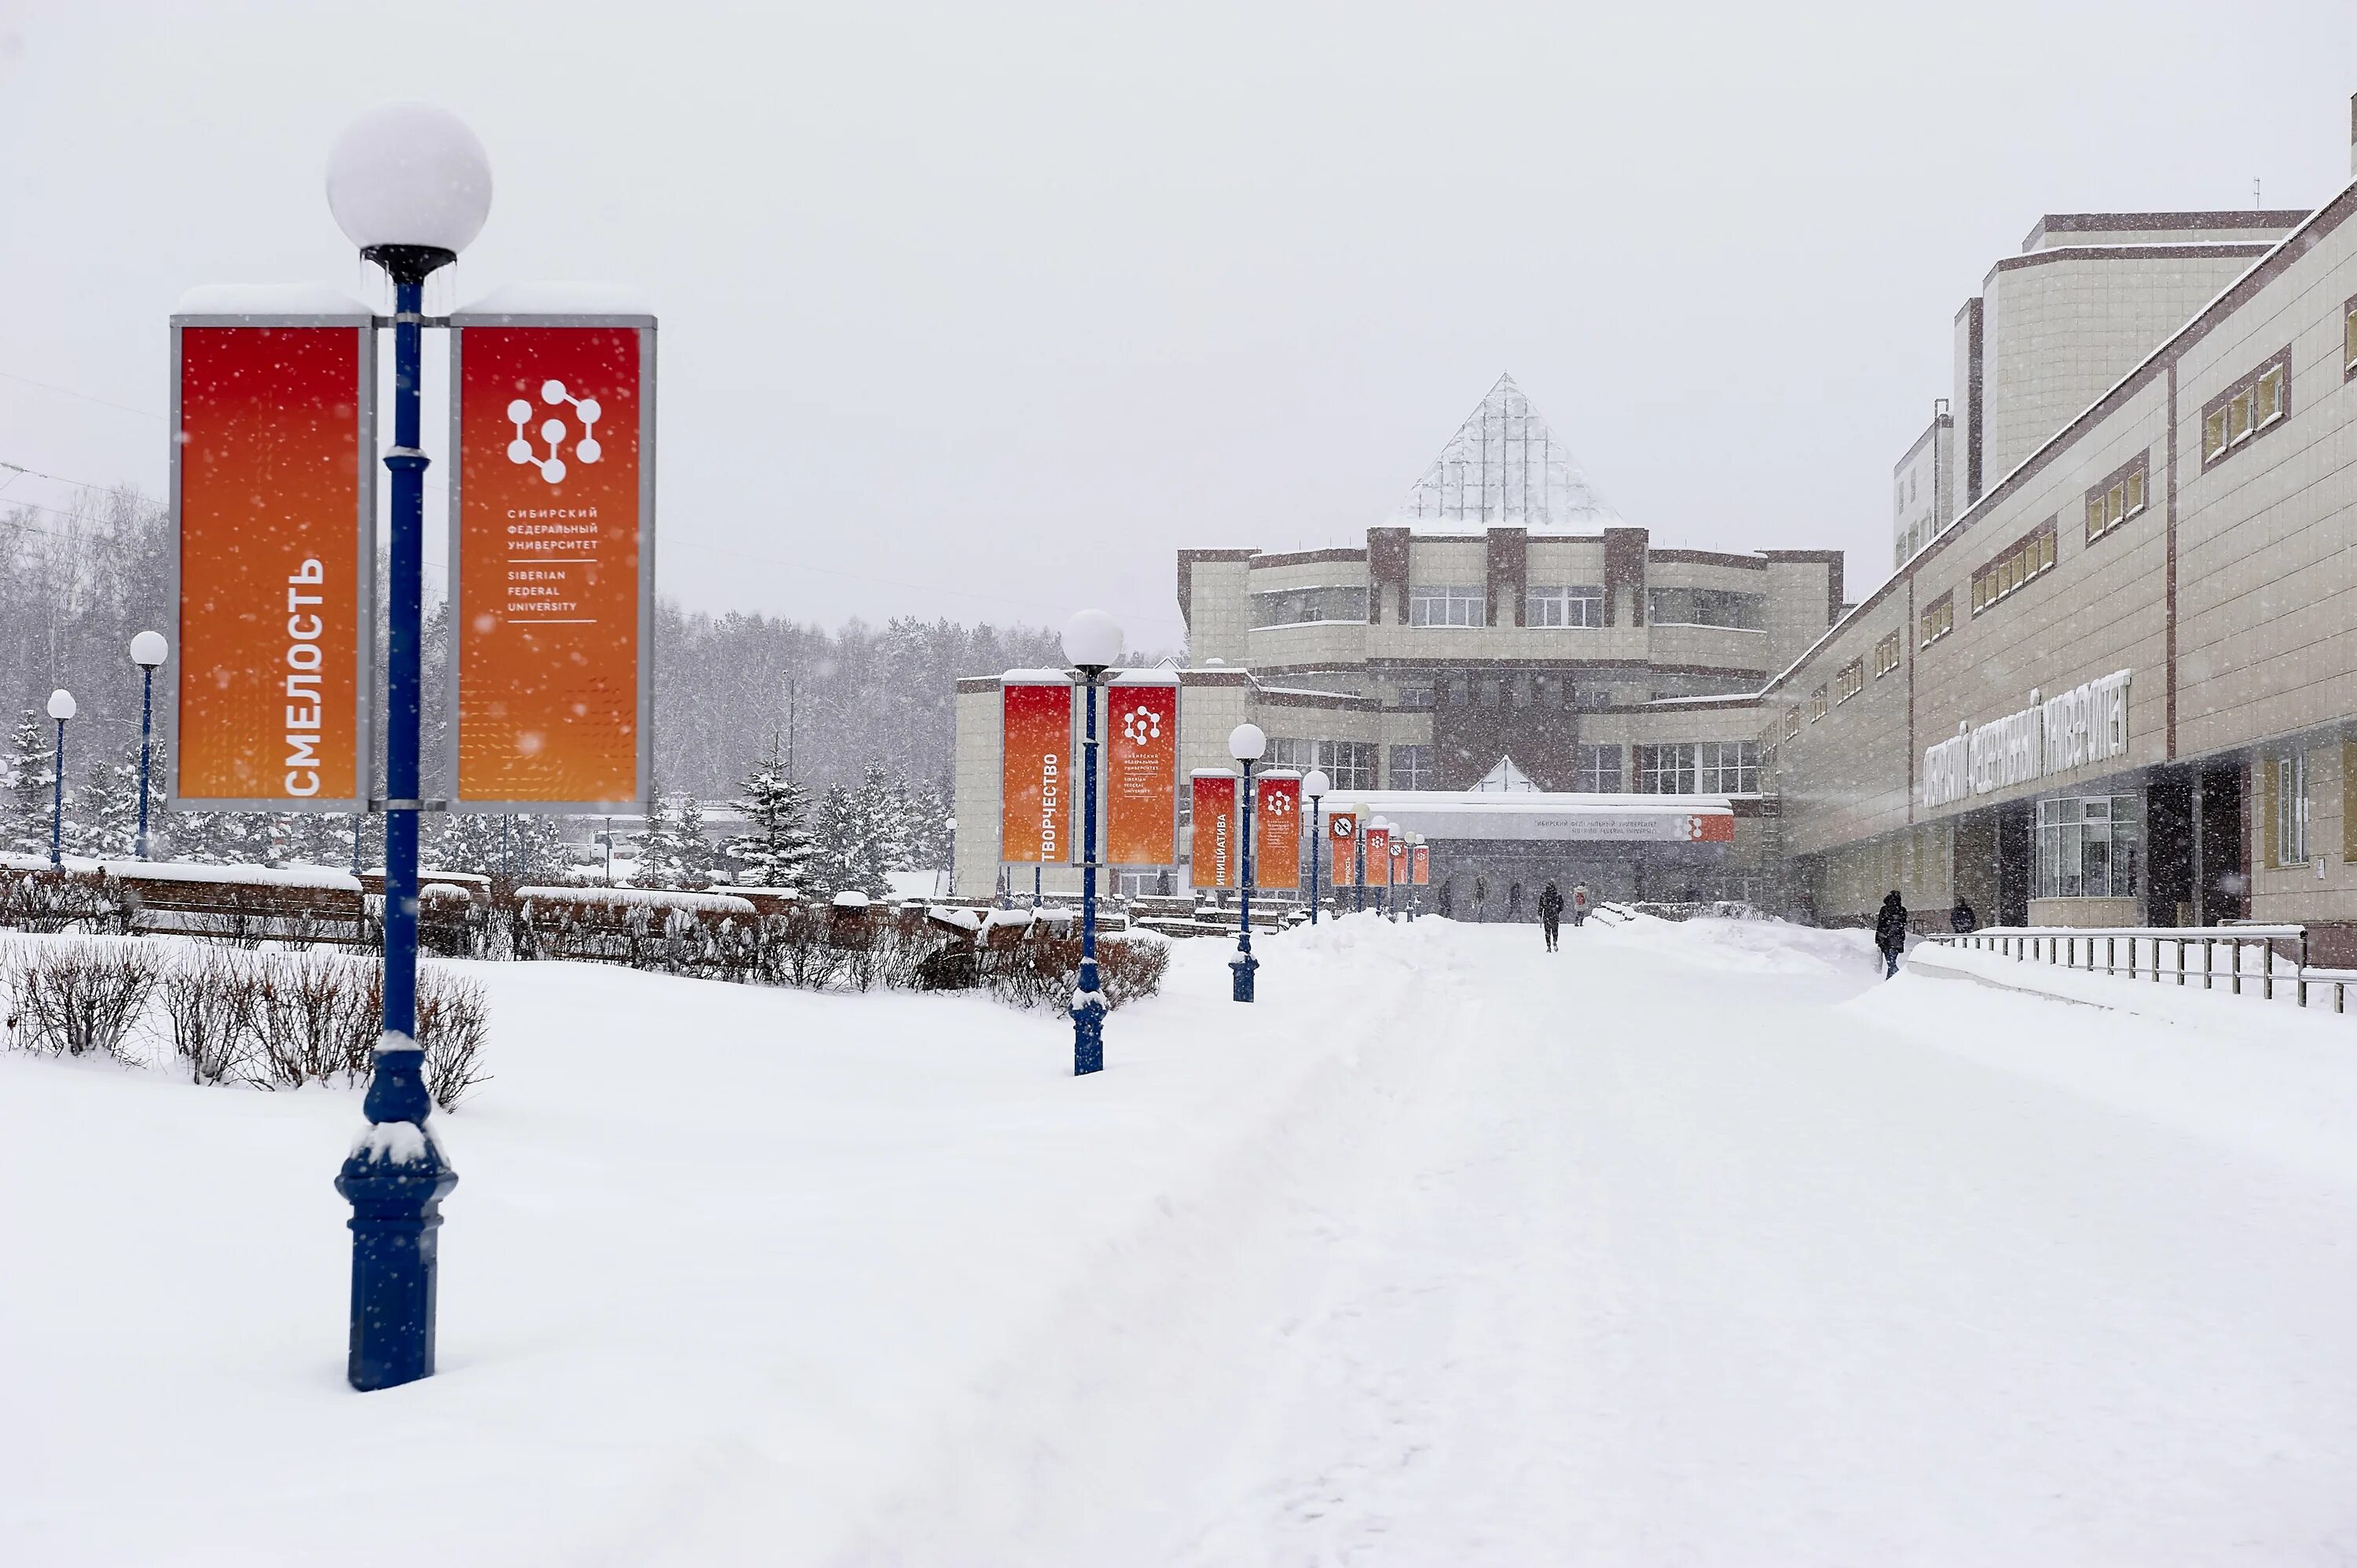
1359	858
410	185
1093	642
62	708
147	650
1315	784
1245	744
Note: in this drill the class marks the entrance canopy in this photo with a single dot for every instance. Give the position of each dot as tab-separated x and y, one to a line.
1541	815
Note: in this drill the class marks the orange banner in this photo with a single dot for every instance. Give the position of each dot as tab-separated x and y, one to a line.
1402	876
552	563
1711	829
1035	771
1141	758
1342	837
1422	857
1277	803
1379	857
1215	846
275	506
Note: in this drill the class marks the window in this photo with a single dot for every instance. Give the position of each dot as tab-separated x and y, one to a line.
1563	606
2090	847
1411	768
1817	705
1415	693
2285	782
2253	405
1886	656
1708	607
1704	766
1939	619
2025	561
1444	606
1850	680
1350	764
1599	769
2119	496
1793	724
1301	606
2349	340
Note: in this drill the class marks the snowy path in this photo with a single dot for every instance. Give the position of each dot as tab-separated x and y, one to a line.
1689	1245
1728	1274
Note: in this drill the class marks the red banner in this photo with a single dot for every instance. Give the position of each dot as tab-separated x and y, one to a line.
1141	757
1342	837
552	563
1713	829
272	495
1277	803
1379	857
1402	876
1215	844
1035	770
1422	855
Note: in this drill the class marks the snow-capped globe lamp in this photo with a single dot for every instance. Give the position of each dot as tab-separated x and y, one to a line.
149	649
410	185
62	704
1314	783
1246	743
1093	642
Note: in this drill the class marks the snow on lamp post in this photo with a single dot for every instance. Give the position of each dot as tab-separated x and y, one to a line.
410	185
1245	744
1315	784
1092	643
62	708
147	650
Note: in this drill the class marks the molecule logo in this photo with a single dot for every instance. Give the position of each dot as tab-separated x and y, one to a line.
552	431
1141	725
1280	805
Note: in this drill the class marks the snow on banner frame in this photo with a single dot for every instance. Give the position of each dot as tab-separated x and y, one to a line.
361	326
454	697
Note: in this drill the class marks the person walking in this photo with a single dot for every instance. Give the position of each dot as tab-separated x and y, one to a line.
1962	920
1551	914
1890	932
1578	905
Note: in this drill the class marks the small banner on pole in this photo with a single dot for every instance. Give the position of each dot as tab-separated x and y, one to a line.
1421	855
1035	767
1141	753
273	514
1401	875
1215	847
1276	809
1379	857
552	561
1342	837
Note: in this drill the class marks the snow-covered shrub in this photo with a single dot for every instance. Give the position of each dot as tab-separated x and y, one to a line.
452	1022
44	900
74	998
207	1004
308	1012
1043	972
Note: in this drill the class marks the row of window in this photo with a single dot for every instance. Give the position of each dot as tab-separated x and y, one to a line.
1299	606
1523	690
2119	497
1683	767
2022	562
1575	606
1698	768
1939	619
1350	764
2090	846
2253	405
1886	655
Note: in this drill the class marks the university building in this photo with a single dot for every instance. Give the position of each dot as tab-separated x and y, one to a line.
2117	683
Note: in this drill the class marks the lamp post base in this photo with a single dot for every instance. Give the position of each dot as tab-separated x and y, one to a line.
1243	969
395	1181
1088	1039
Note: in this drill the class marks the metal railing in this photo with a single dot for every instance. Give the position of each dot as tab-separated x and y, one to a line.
2160	953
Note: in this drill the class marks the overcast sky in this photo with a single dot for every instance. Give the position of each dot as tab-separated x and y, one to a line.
983	311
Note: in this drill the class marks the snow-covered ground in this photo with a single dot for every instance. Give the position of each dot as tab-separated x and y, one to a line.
1689	1244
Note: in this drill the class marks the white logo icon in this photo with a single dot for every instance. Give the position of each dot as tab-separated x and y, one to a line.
1278	805
551	467
1141	725
1342	828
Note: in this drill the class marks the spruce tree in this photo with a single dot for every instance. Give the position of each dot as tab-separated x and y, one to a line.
775	848
697	861
658	846
25	827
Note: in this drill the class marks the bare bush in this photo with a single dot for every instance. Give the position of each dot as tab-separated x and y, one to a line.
1043	972
305	1009
207	1007
799	950
49	901
453	1024
1131	967
76	998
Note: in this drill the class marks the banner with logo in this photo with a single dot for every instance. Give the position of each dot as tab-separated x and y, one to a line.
1342	839
274	512
1379	854
552	561
1421	857
1141	758
1215	841
1035	777
1402	876
1276	808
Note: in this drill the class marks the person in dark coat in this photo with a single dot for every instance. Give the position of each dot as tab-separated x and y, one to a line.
1890	932
1551	914
1962	920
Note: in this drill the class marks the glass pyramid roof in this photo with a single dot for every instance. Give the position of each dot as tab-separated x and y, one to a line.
1505	468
